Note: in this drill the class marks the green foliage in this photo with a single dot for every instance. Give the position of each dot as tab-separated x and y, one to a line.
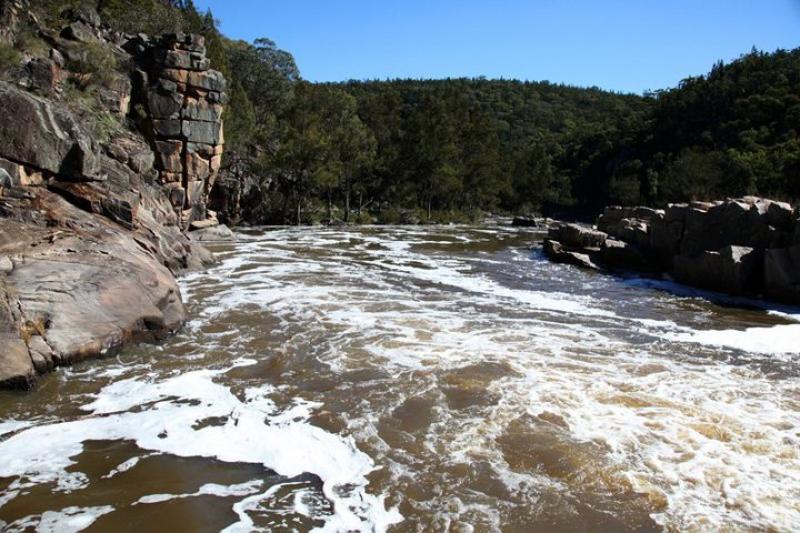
144	16
29	42
105	126
731	132
95	62
240	118
9	57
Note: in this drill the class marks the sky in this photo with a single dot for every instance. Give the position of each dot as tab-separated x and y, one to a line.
620	45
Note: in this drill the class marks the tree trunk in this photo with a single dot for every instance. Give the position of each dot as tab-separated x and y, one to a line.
299	207
347	199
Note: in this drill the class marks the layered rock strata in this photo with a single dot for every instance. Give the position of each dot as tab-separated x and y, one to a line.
182	99
92	227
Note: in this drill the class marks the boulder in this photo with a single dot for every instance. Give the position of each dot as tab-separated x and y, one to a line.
782	274
525	222
732	269
625	256
51	139
80	32
577	236
42	75
734	222
557	254
218	233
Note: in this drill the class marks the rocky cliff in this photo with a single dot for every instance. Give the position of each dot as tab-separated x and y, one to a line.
102	175
748	246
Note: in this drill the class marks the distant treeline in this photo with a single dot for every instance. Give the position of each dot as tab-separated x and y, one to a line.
450	149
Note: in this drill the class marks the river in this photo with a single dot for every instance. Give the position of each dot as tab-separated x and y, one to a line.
419	379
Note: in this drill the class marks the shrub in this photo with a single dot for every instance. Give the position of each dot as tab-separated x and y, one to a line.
95	64
9	57
29	42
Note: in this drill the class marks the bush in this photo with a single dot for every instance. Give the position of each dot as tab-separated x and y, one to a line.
30	43
96	64
105	126
143	16
9	57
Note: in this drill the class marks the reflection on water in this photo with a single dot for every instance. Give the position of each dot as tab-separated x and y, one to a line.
419	379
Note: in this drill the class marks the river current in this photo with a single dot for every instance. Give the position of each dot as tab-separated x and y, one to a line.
419	379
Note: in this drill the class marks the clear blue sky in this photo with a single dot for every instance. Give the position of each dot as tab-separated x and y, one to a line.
623	45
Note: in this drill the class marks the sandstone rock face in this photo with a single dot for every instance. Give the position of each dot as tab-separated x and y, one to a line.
43	137
236	191
80	290
183	99
92	229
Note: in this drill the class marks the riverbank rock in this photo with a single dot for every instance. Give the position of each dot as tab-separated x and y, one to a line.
782	274
744	246
732	269
217	233
555	251
577	236
93	227
526	222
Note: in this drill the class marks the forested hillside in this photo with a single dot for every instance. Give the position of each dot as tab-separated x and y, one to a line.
451	149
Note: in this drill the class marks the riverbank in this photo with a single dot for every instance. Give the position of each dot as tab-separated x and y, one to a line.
104	180
744	247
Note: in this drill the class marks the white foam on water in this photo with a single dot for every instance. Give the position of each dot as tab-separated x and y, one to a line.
10	426
254	433
209	489
719	444
773	340
68	520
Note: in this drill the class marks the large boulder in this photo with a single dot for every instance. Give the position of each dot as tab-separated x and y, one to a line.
557	254
577	236
212	233
782	274
666	233
732	269
625	256
41	135
743	222
84	287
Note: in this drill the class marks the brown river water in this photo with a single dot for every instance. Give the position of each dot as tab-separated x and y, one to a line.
419	379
